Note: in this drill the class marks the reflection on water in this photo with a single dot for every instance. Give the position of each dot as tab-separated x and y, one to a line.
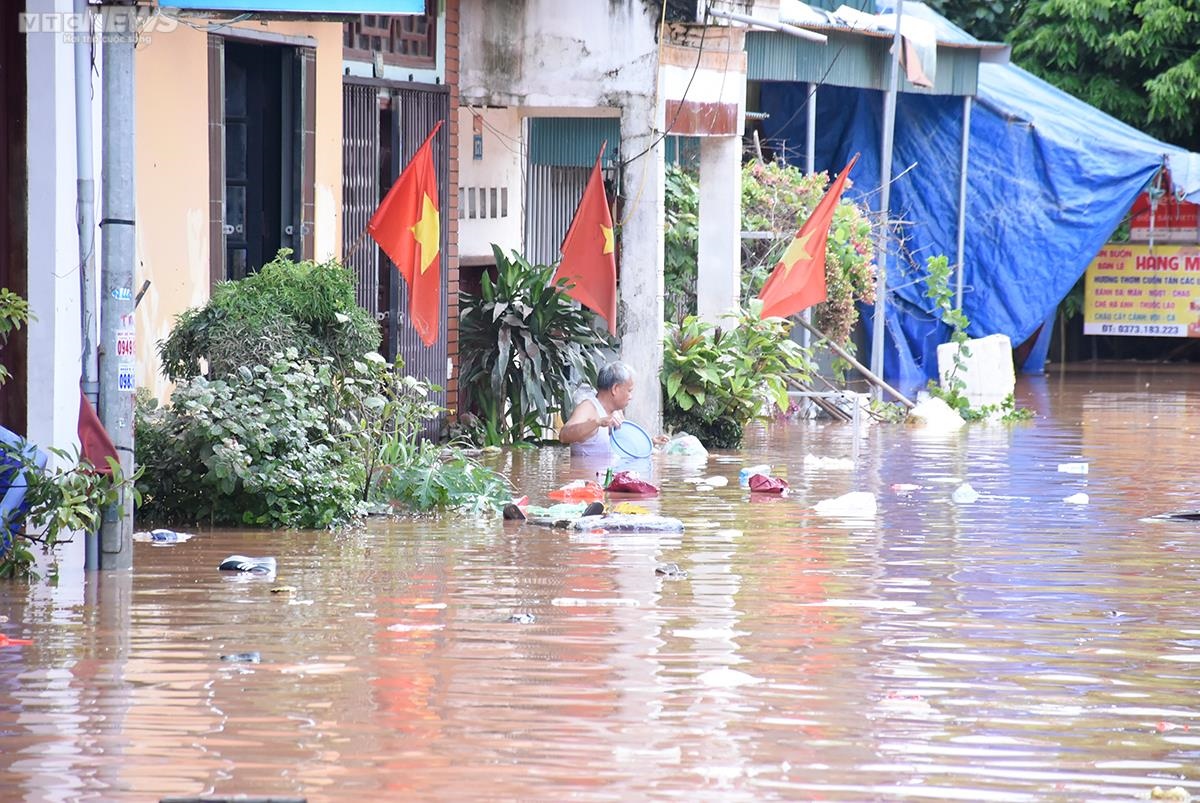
1017	648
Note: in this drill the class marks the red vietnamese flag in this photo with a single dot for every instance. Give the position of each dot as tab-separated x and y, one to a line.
94	443
407	226
798	281
588	260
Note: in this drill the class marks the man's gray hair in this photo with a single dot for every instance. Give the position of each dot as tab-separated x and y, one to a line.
615	373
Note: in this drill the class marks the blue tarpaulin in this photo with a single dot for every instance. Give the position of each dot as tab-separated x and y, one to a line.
1049	179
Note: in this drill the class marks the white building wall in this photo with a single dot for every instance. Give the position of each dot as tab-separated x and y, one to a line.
501	169
54	364
588	58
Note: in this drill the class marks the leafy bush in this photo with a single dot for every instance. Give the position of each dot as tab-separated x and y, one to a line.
58	502
426	475
306	305
14	313
381	411
776	199
680	243
257	447
524	345
715	380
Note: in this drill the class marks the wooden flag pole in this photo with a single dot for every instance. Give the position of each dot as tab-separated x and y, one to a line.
363	234
354	248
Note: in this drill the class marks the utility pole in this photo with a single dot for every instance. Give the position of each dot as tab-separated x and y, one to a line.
885	195
117	374
85	201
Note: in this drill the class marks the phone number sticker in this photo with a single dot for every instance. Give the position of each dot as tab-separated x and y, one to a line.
1152	329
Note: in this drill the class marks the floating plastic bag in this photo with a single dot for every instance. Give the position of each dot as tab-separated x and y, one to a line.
578	491
749	471
854	505
688	445
964	494
1073	468
763	484
812	463
628	482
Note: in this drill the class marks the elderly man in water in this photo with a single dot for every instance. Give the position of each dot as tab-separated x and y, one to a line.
588	427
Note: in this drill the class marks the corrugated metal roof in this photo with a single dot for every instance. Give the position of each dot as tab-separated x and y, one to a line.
573	141
852	58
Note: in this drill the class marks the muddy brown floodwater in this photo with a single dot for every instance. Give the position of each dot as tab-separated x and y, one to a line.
1018	648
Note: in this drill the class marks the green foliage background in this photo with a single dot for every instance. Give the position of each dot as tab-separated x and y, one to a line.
776	199
524	344
1138	60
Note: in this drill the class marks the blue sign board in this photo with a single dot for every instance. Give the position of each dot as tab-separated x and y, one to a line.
302	6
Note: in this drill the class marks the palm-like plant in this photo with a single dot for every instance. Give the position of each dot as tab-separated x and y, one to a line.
525	344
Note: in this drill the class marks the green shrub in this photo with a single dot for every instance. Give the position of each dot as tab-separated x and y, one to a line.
423	476
308	306
716	380
525	344
257	447
776	199
14	313
680	243
65	498
381	411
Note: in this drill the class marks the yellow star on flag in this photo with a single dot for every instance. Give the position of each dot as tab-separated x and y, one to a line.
796	251
427	233
608	239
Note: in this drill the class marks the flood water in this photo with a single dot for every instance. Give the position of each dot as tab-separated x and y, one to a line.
1018	648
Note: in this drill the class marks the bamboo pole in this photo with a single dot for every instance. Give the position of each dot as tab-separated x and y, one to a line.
858	366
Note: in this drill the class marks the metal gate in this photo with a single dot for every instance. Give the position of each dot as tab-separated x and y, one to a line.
562	151
360	187
404	114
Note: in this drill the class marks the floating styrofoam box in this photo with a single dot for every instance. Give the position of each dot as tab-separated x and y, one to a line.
988	372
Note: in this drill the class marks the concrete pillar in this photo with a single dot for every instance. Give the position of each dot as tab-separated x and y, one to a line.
718	280
640	313
53	293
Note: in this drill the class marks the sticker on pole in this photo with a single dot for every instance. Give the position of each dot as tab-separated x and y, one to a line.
126	383
126	350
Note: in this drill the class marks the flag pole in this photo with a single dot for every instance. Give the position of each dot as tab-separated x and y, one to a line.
362	235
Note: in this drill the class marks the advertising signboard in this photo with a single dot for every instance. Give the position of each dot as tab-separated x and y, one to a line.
1133	289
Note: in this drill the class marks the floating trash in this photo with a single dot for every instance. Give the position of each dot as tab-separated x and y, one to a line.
762	484
284	590
1175	515
745	474
854	505
1076	499
670	570
242	658
162	537
812	463
241	563
964	494
522	618
1073	468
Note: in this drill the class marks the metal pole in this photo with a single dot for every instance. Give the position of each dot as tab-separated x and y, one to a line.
885	180
85	202
810	167
116	260
962	200
871	376
810	131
